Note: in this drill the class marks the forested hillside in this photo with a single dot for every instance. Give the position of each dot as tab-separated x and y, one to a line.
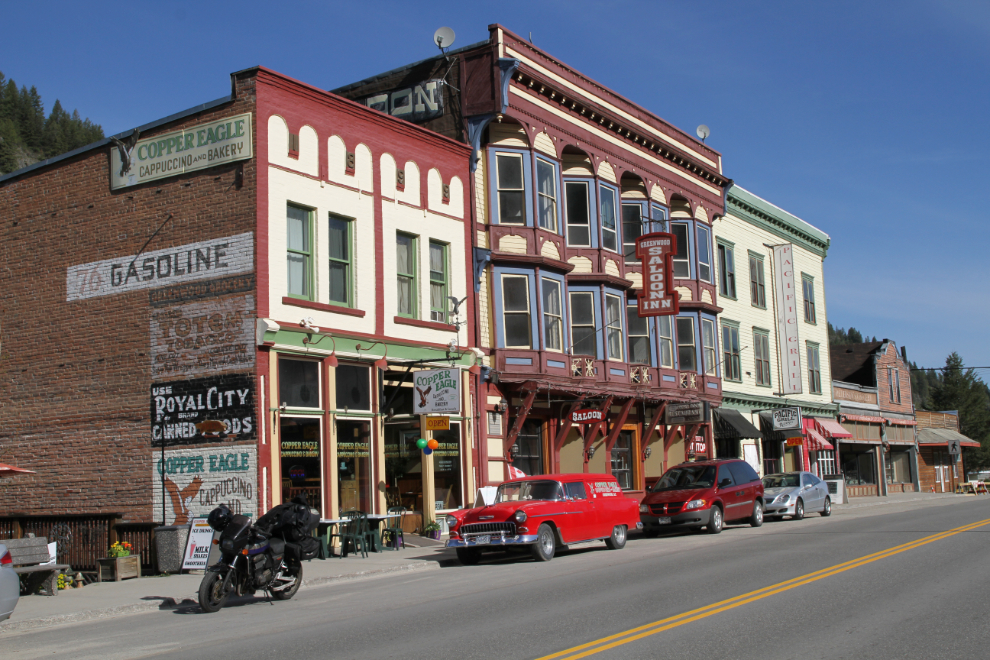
27	136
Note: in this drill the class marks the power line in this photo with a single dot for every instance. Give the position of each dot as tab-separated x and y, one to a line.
945	368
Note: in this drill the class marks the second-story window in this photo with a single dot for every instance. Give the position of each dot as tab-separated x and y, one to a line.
610	238
708	344
731	367
757	287
666	342
814	370
583	335
704	255
438	282
726	271
405	270
687	350
682	259
894	384
808	288
639	335
578	215
546	190
299	252
632	228
516	315
340	260
553	325
511	189
761	354
613	326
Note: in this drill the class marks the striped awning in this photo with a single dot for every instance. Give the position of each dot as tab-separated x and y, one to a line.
831	428
813	440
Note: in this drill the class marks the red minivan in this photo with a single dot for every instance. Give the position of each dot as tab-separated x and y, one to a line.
704	494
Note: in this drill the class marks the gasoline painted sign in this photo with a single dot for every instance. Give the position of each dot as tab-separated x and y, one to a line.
657	298
194	148
437	391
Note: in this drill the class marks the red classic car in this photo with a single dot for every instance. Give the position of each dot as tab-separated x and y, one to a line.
546	513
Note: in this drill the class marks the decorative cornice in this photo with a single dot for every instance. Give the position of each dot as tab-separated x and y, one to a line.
775	224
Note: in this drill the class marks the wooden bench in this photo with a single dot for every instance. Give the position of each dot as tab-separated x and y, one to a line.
28	557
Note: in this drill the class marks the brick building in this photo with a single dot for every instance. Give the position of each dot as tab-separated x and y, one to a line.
214	283
872	385
566	175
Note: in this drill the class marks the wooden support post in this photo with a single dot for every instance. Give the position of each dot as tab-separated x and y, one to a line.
657	416
521	414
565	428
592	430
617	426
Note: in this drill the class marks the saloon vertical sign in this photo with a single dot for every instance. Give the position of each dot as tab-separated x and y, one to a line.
657	298
787	318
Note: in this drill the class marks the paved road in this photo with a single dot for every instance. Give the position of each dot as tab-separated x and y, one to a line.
888	581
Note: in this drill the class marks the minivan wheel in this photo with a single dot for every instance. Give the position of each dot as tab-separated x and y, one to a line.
799	510
827	509
545	544
618	539
715	520
757	518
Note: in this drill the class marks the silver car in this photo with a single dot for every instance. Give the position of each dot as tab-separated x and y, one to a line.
10	584
795	494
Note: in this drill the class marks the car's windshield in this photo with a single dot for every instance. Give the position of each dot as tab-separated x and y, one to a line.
528	490
781	481
686	476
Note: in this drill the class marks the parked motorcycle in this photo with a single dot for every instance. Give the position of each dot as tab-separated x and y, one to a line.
264	556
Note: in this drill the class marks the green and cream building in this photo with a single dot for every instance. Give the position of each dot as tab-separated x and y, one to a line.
757	329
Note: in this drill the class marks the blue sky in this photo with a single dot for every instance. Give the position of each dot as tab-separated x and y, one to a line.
868	120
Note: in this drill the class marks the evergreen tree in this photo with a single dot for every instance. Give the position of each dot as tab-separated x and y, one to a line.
962	390
58	133
839	336
8	146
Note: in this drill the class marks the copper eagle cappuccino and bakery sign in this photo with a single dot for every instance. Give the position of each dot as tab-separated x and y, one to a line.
187	150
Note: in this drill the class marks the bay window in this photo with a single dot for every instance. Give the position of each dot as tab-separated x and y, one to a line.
552	315
639	335
613	326
546	192
583	336
666	342
682	259
687	351
610	239
515	311
578	214
511	189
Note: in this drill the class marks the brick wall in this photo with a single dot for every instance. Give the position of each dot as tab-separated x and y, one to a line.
76	377
892	359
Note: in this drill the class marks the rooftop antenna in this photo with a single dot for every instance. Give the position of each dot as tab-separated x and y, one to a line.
444	39
703	132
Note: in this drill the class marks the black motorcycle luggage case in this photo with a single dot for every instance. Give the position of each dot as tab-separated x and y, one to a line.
307	548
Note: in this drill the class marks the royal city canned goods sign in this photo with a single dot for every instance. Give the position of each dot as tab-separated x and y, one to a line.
203	410
193	148
437	391
657	298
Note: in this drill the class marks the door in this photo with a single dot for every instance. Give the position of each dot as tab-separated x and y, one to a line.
746	481
729	492
810	493
527	451
582	513
942	477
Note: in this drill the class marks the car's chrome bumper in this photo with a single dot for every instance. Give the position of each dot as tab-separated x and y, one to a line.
779	509
494	539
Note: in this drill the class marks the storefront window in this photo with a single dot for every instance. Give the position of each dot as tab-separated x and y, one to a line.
622	460
857	466
898	467
447	467
826	462
403	466
353	387
772	454
354	464
527	452
299	383
299	455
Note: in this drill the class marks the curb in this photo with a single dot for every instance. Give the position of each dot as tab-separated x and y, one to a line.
172	603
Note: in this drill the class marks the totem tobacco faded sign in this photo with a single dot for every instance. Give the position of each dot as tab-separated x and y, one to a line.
657	297
199	480
203	410
437	391
193	148
218	257
208	336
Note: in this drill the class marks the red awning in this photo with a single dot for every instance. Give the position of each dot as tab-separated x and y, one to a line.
7	470
814	440
831	428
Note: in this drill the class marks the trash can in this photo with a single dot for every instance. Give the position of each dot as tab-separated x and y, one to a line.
836	488
170	545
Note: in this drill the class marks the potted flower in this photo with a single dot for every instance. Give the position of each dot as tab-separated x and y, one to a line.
432	529
120	549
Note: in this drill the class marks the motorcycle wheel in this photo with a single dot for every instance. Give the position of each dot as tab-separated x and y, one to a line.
286	594
211	595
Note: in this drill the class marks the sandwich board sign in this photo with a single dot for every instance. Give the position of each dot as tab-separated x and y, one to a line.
197	554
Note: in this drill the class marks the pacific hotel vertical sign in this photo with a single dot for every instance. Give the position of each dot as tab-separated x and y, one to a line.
787	319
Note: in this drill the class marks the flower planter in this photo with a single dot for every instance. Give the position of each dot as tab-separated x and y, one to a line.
119	568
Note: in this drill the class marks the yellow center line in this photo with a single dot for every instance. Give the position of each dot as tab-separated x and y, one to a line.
646	630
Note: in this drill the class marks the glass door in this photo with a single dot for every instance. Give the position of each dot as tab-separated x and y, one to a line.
527	452
300	459
354	465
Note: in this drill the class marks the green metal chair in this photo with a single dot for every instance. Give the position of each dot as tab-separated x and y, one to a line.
392	536
354	533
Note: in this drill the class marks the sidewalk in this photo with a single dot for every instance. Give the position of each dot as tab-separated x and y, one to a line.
109	599
896	498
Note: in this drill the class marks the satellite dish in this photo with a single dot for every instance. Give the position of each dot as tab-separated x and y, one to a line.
703	132
444	37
